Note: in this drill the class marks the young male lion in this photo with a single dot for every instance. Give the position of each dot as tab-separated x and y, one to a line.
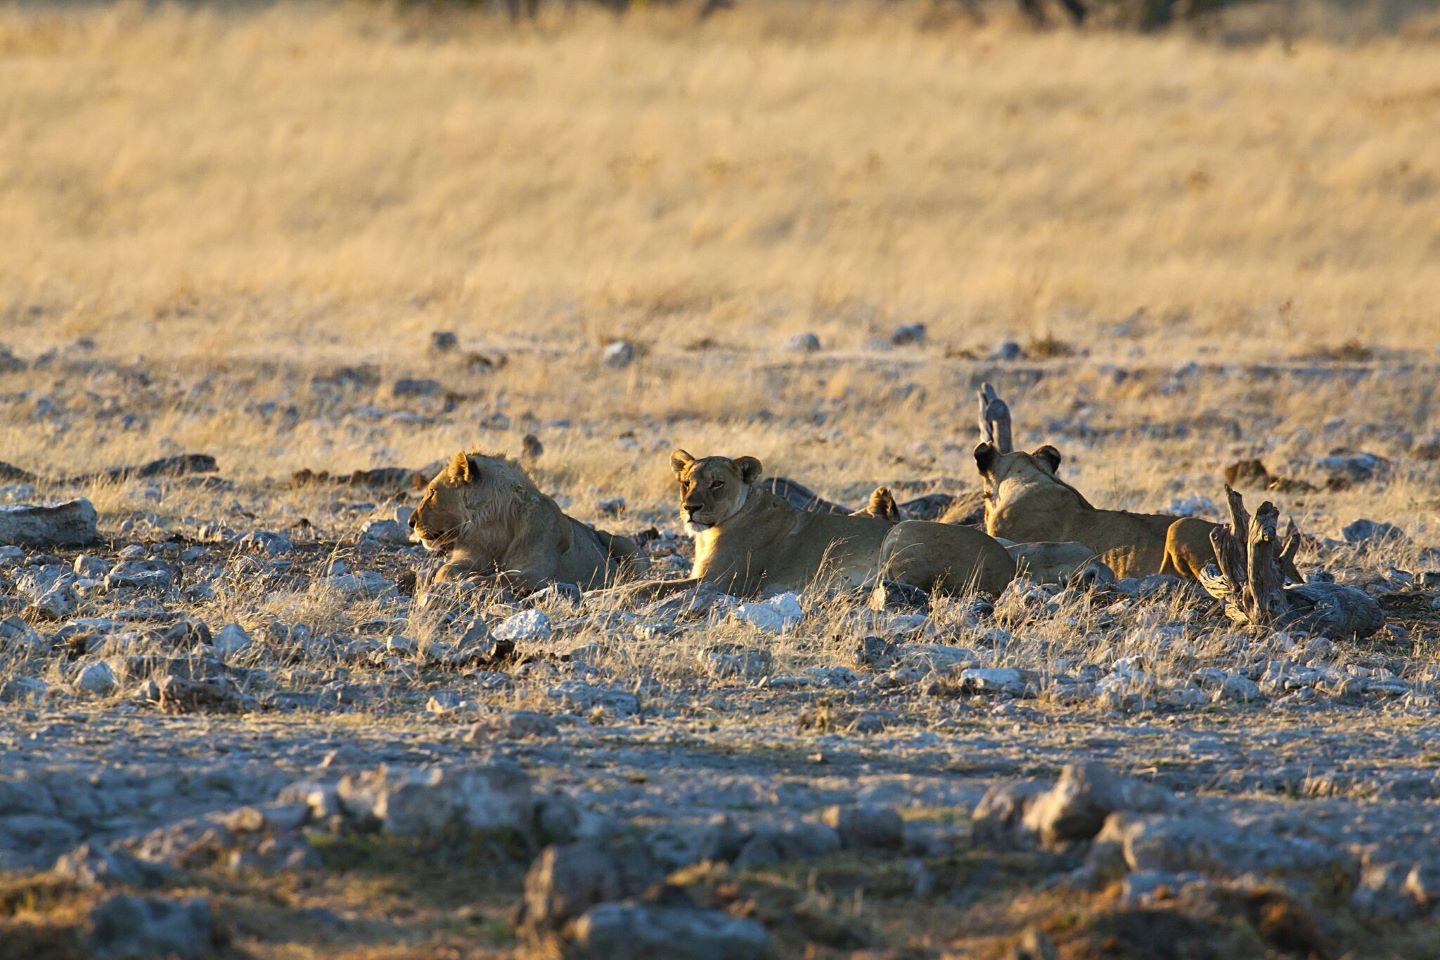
488	517
750	542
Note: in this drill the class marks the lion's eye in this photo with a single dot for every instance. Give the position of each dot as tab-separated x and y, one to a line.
716	484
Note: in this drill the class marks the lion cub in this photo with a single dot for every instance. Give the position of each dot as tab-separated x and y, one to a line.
489	518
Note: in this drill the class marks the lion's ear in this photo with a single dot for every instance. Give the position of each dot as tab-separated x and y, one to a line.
1049	456
462	468
680	462
985	455
749	469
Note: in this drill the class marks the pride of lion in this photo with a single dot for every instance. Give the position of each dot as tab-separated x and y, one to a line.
488	518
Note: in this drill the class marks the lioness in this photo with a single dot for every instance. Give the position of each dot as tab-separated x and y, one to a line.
945	558
751	542
881	506
488	517
1065	562
1188	550
1026	501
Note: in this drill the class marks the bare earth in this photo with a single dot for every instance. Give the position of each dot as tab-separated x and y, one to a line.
1200	253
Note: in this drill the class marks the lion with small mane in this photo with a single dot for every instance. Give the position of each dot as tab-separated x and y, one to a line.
488	517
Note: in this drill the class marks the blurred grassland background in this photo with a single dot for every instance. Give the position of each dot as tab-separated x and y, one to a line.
250	193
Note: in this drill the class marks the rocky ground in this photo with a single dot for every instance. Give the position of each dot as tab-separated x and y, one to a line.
240	721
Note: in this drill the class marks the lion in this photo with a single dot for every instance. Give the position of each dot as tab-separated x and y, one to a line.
882	506
1188	550
945	558
487	516
752	543
1041	562
1063	562
1026	501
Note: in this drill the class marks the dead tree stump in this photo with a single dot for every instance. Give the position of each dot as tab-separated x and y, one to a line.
994	419
1246	578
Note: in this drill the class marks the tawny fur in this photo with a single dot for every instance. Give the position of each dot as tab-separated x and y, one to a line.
1188	550
945	558
489	518
882	506
1066	561
1025	501
752	543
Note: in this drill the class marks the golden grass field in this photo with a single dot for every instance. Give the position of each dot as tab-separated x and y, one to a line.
233	230
267	192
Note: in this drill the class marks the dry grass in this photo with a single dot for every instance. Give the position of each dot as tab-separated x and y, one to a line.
313	182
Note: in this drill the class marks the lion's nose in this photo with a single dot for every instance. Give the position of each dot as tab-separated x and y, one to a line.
691	509
411	521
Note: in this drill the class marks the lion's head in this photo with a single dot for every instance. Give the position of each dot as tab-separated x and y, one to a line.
882	506
1041	466
712	489
471	494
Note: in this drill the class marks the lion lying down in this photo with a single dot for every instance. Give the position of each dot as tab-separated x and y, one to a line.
489	518
1043	562
750	542
1026	501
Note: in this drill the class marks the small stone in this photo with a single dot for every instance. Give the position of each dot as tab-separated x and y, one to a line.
874	828
17	635
96	679
271	543
774	616
231	641
619	353
1001	811
876	653
528	626
415	387
908	333
566	594
732	661
89	865
1008	350
803	343
1230	686
1076	807
568	879
89	568
613	507
443	341
135	927
890	595
71	523
642	931
366	584
1372	532
992	680
385	531
772	845
427	803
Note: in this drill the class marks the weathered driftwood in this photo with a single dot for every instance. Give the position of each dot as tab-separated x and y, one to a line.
1246	578
994	419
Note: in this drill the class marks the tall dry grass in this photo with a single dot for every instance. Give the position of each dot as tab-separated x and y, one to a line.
322	182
